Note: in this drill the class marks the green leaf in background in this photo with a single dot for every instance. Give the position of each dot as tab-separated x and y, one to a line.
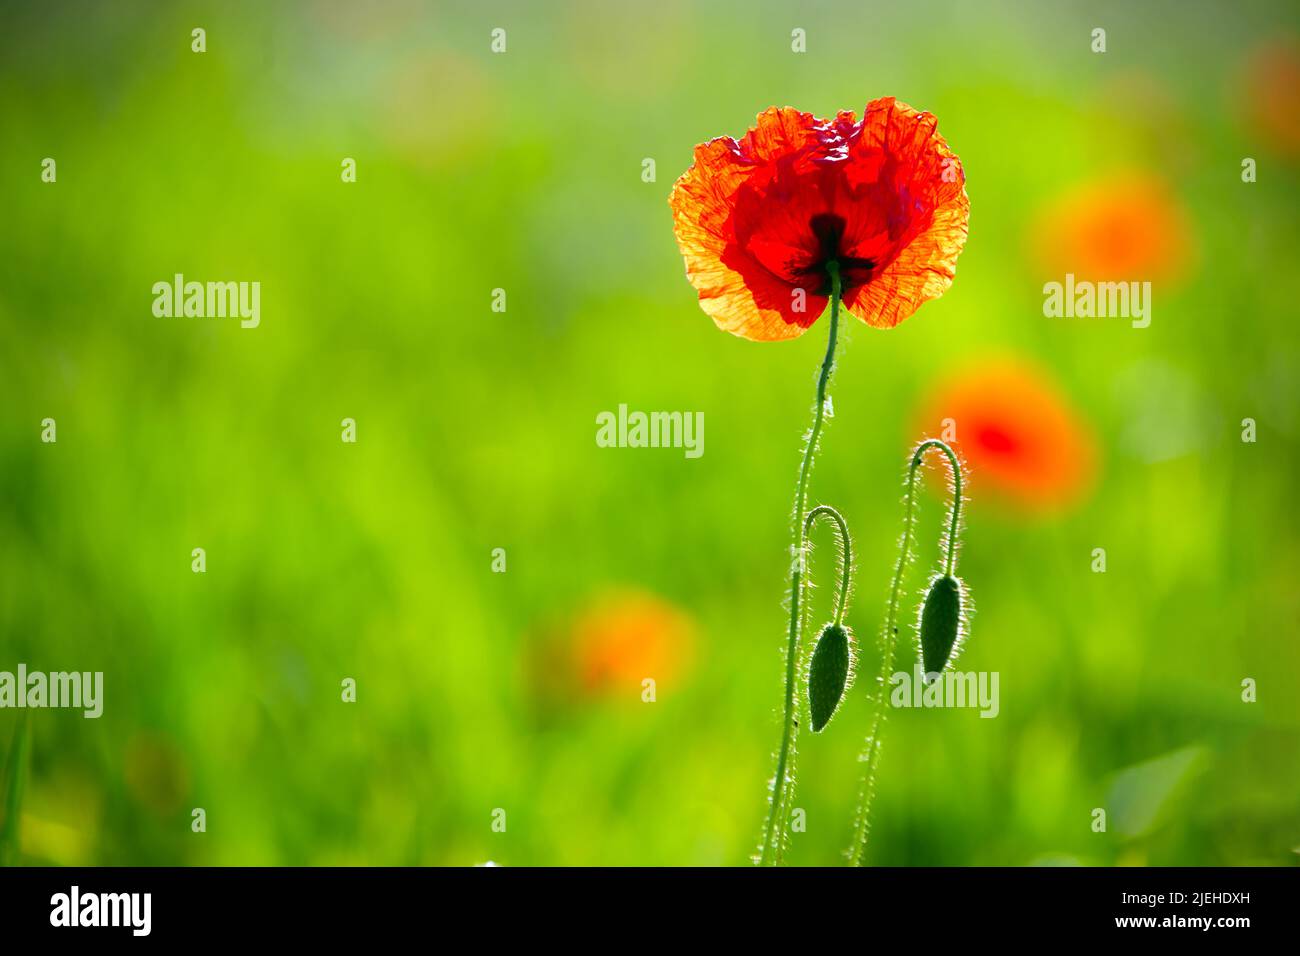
1140	795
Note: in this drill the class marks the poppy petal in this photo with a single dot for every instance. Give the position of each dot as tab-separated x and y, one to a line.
901	148
736	290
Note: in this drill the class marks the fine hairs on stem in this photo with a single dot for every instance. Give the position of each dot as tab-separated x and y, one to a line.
830	666
870	756
846	554
775	831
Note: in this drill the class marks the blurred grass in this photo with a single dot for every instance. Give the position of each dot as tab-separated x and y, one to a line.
15	780
475	431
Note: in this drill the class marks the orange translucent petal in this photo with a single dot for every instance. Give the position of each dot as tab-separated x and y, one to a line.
926	265
739	295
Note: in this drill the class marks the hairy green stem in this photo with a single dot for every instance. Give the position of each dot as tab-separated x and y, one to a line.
954	518
871	752
846	553
774	832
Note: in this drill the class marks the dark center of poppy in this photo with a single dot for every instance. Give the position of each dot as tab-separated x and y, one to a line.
828	229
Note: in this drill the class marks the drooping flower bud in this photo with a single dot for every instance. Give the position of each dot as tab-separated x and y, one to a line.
828	674
940	622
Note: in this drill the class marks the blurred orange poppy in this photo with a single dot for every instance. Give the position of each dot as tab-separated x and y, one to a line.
1272	95
1126	227
625	638
1016	433
759	220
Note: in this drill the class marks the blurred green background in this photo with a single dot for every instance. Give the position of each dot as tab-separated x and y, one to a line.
475	430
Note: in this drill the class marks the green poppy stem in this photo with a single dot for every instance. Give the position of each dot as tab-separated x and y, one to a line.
954	518
846	554
870	756
776	830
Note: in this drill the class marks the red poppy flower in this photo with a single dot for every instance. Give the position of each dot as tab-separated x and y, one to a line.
758	220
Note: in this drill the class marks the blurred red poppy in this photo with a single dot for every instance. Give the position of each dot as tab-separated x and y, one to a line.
1272	95
1015	431
625	638
1124	227
758	220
